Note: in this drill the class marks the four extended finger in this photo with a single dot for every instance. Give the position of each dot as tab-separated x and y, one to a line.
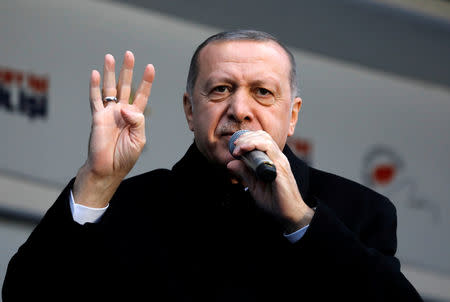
125	78
109	77
95	96
144	90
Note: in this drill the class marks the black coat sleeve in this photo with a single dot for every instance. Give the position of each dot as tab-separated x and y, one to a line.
119	258
355	261
54	260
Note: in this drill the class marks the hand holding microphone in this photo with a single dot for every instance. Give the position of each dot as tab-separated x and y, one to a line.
277	192
256	160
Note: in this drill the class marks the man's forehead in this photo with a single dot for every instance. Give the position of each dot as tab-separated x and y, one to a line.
217	53
244	51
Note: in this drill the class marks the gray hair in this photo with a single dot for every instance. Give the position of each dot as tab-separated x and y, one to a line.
240	35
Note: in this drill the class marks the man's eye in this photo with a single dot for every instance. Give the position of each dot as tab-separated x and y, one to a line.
220	89
264	96
263	92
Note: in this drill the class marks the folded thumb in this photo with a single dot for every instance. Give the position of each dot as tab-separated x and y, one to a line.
131	117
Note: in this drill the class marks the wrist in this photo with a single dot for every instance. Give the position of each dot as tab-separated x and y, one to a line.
299	221
92	190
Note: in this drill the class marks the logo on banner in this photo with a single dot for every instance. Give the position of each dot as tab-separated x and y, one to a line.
24	93
384	170
301	147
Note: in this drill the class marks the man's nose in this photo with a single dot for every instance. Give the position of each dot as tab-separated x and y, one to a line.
240	106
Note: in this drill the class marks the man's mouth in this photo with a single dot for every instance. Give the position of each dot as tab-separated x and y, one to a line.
227	133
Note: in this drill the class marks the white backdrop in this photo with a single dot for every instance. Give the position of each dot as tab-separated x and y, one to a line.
387	132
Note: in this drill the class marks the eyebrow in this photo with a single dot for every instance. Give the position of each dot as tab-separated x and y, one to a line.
259	82
220	79
269	81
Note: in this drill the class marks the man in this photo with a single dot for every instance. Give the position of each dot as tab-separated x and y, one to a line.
209	229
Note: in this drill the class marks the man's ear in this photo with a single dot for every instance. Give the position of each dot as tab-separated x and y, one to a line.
188	110
297	104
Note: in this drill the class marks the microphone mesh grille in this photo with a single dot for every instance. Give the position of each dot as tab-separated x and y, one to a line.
233	138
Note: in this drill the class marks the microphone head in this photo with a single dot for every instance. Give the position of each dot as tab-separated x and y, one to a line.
233	138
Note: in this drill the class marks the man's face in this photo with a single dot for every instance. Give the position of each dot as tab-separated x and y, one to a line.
240	85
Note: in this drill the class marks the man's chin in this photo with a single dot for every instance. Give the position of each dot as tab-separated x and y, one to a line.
218	153
221	158
224	159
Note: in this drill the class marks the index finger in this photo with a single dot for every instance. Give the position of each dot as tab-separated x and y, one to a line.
144	90
259	140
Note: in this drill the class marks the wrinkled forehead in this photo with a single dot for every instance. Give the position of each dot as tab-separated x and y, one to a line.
249	53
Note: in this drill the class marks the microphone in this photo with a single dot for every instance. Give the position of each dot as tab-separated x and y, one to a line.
256	160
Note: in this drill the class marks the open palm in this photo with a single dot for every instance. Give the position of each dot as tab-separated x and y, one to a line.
118	129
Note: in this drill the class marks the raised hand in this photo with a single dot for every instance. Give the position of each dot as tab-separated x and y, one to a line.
117	134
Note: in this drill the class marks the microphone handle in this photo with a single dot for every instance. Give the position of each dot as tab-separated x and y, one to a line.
260	163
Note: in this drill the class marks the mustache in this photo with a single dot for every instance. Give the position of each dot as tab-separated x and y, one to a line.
230	127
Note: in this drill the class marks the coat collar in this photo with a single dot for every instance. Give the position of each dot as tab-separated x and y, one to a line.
195	168
301	172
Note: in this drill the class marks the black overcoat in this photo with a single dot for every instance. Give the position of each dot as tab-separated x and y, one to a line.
188	234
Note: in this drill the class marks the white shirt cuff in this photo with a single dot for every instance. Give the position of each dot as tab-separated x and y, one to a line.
297	235
82	214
